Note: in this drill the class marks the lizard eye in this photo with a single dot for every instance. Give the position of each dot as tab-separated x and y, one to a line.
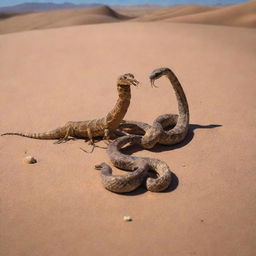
128	75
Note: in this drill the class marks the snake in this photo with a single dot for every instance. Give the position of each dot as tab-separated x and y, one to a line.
167	129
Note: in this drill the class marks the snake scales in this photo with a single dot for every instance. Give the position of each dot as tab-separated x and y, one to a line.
168	129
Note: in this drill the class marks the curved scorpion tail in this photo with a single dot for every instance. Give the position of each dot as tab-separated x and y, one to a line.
54	134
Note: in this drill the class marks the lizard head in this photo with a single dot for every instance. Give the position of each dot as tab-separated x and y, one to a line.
127	80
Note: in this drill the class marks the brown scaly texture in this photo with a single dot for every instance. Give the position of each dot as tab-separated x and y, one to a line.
93	128
167	129
139	167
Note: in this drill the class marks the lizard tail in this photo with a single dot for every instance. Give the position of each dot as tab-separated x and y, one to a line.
54	134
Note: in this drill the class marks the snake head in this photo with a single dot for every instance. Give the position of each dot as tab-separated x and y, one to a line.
157	73
127	79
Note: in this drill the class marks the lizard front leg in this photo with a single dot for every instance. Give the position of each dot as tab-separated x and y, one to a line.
89	134
91	142
106	134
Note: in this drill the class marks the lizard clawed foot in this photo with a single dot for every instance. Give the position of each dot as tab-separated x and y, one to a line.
96	146
107	142
62	140
93	146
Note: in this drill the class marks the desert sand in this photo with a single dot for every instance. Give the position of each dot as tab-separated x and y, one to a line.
60	18
174	11
58	205
243	15
240	15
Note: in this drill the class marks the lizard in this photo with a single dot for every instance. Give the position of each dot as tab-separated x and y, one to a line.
101	127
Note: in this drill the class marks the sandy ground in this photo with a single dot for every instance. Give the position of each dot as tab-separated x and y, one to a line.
59	207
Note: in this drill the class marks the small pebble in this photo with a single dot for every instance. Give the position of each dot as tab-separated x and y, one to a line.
127	218
29	160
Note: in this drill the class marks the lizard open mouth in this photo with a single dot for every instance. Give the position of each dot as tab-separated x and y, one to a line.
128	79
135	82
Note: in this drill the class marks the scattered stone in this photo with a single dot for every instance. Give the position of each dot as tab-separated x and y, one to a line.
29	160
127	218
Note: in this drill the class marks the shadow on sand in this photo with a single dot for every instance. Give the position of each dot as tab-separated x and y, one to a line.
161	148
142	189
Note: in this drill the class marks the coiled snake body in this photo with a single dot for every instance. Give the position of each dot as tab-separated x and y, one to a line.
168	129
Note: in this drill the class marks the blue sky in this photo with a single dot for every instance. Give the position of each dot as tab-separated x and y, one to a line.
126	2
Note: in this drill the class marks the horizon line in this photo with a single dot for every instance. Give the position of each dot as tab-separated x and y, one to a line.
132	3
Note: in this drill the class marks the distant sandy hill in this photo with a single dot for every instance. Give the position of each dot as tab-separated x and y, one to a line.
60	18
6	15
38	7
137	10
174	11
242	15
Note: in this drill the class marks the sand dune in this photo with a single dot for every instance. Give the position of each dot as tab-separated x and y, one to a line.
174	11
60	18
6	15
242	15
44	6
136	10
59	207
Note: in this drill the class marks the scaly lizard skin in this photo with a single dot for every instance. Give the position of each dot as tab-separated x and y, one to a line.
92	128
168	129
